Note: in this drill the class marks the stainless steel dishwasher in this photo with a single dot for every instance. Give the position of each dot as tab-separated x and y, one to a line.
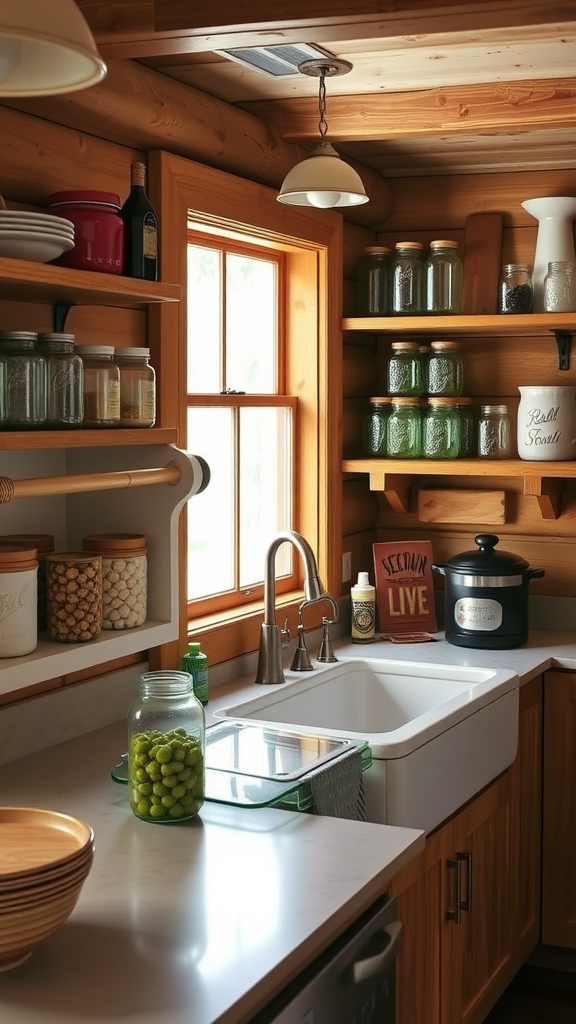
351	982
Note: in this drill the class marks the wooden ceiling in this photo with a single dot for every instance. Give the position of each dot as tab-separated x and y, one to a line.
435	88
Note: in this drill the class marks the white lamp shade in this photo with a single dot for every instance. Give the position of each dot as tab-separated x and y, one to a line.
46	48
324	181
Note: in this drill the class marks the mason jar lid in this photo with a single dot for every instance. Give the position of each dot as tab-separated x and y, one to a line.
377	249
55	337
485	560
442	400
409	245
115	544
42	542
18	336
96	350
405	346
385	399
406	400
494	410
441	346
131	353
17	558
443	244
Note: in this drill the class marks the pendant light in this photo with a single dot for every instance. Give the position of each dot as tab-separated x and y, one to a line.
46	49
323	180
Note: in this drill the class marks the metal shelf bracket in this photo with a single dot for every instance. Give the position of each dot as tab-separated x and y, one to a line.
564	343
60	312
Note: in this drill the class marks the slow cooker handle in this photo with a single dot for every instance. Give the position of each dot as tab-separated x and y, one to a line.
534	574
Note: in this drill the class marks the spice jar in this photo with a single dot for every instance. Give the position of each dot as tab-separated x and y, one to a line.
43	543
441	429
445	370
124	577
18	600
408	278
137	387
74	596
493	432
98	230
101	386
404	371
166	745
65	401
516	289
26	380
374	427
373	281
443	278
404	429
560	287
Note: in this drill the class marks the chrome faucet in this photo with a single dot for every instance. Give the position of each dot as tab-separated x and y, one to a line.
272	638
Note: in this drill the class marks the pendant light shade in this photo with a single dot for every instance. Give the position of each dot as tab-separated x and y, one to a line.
323	180
46	48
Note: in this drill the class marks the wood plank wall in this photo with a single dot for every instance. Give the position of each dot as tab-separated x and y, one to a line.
437	207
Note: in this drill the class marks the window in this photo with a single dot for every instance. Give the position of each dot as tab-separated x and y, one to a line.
309	245
236	404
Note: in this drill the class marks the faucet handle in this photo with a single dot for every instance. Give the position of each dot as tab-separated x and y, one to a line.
285	634
326	652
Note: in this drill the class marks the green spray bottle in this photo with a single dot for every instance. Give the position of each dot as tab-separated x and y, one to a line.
196	663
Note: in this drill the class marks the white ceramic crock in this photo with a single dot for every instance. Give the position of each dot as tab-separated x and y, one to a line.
547	423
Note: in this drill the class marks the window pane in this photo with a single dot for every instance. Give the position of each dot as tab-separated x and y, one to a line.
204	319
211	514
251	324
265	490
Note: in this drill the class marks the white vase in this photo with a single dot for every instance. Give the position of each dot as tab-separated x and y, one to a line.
547	423
555	239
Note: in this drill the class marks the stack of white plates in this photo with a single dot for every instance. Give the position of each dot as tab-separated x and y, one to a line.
46	857
34	236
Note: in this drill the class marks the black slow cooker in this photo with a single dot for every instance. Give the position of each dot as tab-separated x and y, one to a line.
486	596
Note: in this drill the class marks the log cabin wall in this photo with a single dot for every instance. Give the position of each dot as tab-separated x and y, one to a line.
494	367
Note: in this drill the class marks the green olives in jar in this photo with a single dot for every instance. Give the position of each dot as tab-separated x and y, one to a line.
166	745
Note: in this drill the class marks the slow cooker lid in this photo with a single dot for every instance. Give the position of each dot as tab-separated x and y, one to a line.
487	561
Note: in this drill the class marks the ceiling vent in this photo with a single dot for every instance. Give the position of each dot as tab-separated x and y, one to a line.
276	61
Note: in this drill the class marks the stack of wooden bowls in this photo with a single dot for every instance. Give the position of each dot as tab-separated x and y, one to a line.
45	859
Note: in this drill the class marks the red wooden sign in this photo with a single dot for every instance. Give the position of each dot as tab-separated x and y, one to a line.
404	587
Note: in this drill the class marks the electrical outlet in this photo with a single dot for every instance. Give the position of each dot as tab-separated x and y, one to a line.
346	566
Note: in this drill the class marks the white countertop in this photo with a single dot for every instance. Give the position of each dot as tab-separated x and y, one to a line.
193	923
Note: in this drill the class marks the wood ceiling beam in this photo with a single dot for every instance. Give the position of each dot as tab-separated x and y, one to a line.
148	28
138	107
488	109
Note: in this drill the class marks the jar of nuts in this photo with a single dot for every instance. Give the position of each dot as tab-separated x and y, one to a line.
124	577
74	596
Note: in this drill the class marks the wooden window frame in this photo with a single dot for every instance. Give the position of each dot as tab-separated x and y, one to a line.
184	190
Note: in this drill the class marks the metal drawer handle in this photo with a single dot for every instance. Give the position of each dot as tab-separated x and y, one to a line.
460	904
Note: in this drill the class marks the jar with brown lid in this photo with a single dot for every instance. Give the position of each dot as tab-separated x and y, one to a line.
74	596
408	278
101	386
124	577
44	544
18	600
137	387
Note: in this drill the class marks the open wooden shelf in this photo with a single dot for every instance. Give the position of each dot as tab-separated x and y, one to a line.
43	282
38	440
485	326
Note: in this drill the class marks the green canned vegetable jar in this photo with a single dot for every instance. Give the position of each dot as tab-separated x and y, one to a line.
374	427
404	429
404	369
441	429
166	744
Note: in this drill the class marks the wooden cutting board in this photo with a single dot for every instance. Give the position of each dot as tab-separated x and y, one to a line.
482	263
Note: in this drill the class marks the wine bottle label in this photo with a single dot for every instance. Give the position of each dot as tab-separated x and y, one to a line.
150	241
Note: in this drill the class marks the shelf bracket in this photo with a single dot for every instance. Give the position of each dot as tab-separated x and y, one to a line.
396	488
60	312
548	494
564	343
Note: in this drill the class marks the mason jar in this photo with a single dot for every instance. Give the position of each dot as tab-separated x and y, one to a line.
373	281
408	279
467	447
64	374
441	429
101	386
516	289
166	747
18	586
443	278
404	429
26	380
404	369
494	432
124	577
560	287
445	370
374	427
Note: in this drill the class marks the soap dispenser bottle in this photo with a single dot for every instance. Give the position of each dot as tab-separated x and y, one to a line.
363	596
195	662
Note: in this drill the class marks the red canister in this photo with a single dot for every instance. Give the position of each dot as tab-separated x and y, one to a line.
98	230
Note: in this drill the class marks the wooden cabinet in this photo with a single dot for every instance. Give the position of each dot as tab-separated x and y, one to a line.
470	903
73	482
559	826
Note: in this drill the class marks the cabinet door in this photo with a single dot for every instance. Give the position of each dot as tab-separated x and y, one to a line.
559	831
483	943
420	891
527	799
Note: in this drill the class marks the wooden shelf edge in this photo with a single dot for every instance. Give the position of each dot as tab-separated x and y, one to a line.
498	324
64	285
40	440
464	467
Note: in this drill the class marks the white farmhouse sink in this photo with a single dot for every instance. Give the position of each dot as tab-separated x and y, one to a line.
438	733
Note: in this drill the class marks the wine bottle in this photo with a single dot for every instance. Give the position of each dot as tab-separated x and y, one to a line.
141	229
